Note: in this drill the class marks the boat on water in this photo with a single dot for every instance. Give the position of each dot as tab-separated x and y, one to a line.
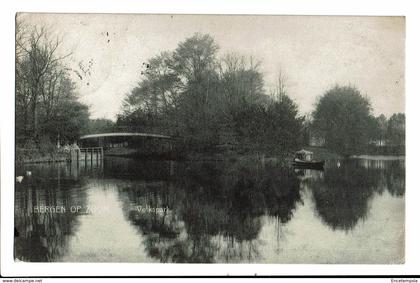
304	159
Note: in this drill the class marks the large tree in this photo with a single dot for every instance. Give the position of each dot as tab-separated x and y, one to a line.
343	117
46	97
209	101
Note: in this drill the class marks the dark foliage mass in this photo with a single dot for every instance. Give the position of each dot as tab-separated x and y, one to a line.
211	102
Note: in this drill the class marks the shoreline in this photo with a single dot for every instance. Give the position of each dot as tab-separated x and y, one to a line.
319	153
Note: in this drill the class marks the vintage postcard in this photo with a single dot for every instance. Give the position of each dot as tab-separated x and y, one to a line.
165	138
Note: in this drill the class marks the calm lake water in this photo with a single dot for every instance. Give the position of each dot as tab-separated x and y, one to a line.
123	210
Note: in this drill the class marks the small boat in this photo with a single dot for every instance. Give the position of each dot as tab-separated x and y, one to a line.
303	159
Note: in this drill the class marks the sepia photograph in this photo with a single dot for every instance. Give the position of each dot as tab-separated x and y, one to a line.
188	138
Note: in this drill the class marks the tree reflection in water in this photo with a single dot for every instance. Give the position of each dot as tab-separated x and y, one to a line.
215	210
44	236
342	196
395	178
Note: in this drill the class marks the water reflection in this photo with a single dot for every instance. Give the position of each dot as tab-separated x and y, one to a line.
342	196
211	200
43	220
243	211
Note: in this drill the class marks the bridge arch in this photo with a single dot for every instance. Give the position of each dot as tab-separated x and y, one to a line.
129	144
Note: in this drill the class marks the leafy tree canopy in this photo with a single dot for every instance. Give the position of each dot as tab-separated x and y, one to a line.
343	117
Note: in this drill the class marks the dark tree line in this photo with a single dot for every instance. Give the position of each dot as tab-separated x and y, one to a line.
210	102
390	131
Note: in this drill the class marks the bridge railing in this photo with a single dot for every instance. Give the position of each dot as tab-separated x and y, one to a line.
87	154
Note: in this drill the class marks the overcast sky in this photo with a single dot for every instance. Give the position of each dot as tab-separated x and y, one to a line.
314	52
